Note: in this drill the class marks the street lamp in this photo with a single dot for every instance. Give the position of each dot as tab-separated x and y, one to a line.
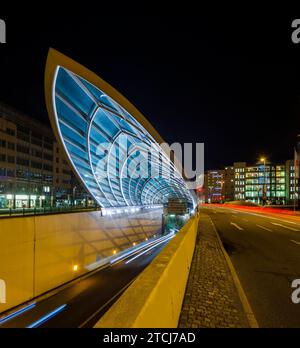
263	159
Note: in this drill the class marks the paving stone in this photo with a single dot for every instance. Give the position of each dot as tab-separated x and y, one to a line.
211	298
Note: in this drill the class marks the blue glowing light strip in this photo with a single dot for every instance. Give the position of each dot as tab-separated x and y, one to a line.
135	250
46	317
16	313
145	251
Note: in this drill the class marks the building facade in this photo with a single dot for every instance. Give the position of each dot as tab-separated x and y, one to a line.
33	170
214	187
261	183
229	183
266	183
239	180
292	183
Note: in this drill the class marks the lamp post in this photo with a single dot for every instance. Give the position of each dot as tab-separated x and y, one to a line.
264	193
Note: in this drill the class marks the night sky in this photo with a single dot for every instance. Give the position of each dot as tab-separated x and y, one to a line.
230	82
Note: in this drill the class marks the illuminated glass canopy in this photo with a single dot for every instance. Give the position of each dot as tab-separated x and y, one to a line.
113	154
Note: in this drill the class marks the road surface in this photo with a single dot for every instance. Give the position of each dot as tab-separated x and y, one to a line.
265	251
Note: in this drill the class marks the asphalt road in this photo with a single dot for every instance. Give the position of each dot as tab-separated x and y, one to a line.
265	251
83	302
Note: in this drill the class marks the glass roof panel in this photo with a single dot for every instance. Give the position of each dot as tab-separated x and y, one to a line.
116	171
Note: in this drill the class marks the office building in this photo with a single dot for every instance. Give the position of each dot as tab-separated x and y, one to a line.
214	186
33	170
262	183
229	183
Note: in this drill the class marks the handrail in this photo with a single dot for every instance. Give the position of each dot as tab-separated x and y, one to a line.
10	212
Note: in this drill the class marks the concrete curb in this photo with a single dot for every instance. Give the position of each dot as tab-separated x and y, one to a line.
245	303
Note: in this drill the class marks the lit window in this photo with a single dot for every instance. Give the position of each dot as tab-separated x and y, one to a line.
46	188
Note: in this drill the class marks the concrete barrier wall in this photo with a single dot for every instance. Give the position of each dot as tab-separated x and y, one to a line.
39	253
16	261
155	297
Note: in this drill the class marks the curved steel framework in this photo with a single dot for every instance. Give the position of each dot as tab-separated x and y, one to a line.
112	148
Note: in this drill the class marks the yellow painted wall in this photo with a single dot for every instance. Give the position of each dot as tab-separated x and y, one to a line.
16	260
62	241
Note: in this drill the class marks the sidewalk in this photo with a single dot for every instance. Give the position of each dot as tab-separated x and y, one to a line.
214	297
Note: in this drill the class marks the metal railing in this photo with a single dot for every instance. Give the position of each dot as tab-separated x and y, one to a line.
10	212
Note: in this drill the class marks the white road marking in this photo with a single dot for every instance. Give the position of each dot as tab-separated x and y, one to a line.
264	228
236	226
288	227
246	220
294	241
290	222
